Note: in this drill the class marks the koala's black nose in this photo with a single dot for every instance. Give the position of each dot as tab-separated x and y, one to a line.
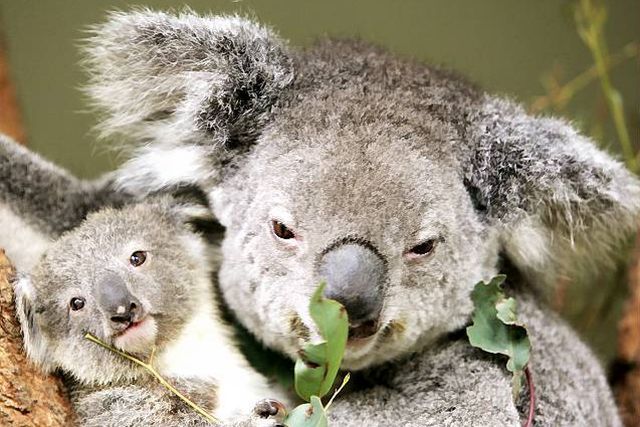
118	304
356	277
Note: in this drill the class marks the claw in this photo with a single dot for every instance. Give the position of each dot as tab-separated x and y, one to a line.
270	408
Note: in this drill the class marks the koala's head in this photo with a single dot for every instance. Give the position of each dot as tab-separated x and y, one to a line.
399	185
132	277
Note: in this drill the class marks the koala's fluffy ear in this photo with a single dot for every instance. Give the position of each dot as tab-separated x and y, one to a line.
193	84
35	343
554	196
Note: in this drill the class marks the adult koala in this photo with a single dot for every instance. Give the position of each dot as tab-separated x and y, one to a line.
399	183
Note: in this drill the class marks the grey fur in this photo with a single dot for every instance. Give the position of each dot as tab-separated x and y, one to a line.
39	201
170	289
238	68
47	196
364	145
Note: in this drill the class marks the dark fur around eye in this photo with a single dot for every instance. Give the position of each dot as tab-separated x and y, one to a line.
281	230
138	258
76	303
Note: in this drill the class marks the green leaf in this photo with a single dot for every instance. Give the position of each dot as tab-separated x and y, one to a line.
318	365
307	415
496	329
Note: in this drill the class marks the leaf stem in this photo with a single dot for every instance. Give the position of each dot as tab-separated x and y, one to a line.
157	375
532	397
345	380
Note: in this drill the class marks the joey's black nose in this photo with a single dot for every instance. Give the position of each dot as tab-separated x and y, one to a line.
125	314
356	277
117	303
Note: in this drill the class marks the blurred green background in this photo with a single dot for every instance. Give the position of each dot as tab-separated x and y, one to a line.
520	48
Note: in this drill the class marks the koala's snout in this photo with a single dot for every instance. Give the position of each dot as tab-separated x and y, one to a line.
117	303
356	277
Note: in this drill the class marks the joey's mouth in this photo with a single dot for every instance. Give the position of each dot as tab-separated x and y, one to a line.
131	326
138	336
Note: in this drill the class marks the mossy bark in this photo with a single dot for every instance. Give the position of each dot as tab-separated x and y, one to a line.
27	397
627	386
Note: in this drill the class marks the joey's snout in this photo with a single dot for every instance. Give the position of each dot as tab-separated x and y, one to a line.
118	304
356	276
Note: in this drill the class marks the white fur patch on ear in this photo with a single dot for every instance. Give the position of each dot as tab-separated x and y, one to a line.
157	168
192	212
527	243
35	344
23	243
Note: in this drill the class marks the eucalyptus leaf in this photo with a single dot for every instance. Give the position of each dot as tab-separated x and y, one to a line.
307	415
318	365
496	329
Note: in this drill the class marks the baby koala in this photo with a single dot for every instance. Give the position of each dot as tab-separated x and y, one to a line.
139	278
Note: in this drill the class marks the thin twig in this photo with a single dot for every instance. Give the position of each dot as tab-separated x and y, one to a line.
563	94
590	19
345	380
155	373
532	397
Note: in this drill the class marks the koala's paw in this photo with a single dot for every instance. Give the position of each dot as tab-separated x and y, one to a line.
269	413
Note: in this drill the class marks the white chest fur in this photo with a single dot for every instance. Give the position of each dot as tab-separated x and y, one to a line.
205	350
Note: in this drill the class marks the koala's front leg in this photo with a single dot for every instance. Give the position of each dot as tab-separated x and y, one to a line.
265	413
448	386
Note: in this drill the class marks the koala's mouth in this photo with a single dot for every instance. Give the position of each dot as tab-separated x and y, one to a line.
374	333
363	330
359	334
138	336
129	327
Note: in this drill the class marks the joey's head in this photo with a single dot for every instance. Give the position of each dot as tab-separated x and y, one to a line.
132	277
398	184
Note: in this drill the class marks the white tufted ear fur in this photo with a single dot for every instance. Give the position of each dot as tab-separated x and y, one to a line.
157	168
184	78
184	88
35	343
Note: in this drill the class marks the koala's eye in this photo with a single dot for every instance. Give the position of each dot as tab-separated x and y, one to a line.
281	230
76	303
138	258
423	249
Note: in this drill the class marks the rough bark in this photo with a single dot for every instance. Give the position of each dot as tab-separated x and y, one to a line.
27	397
627	386
10	122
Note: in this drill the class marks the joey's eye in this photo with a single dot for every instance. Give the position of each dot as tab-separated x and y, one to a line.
281	230
423	249
138	258
76	303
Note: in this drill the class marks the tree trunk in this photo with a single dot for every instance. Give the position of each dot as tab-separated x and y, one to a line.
27	397
10	123
627	386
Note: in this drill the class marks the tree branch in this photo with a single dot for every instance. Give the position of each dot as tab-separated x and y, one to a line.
27	397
